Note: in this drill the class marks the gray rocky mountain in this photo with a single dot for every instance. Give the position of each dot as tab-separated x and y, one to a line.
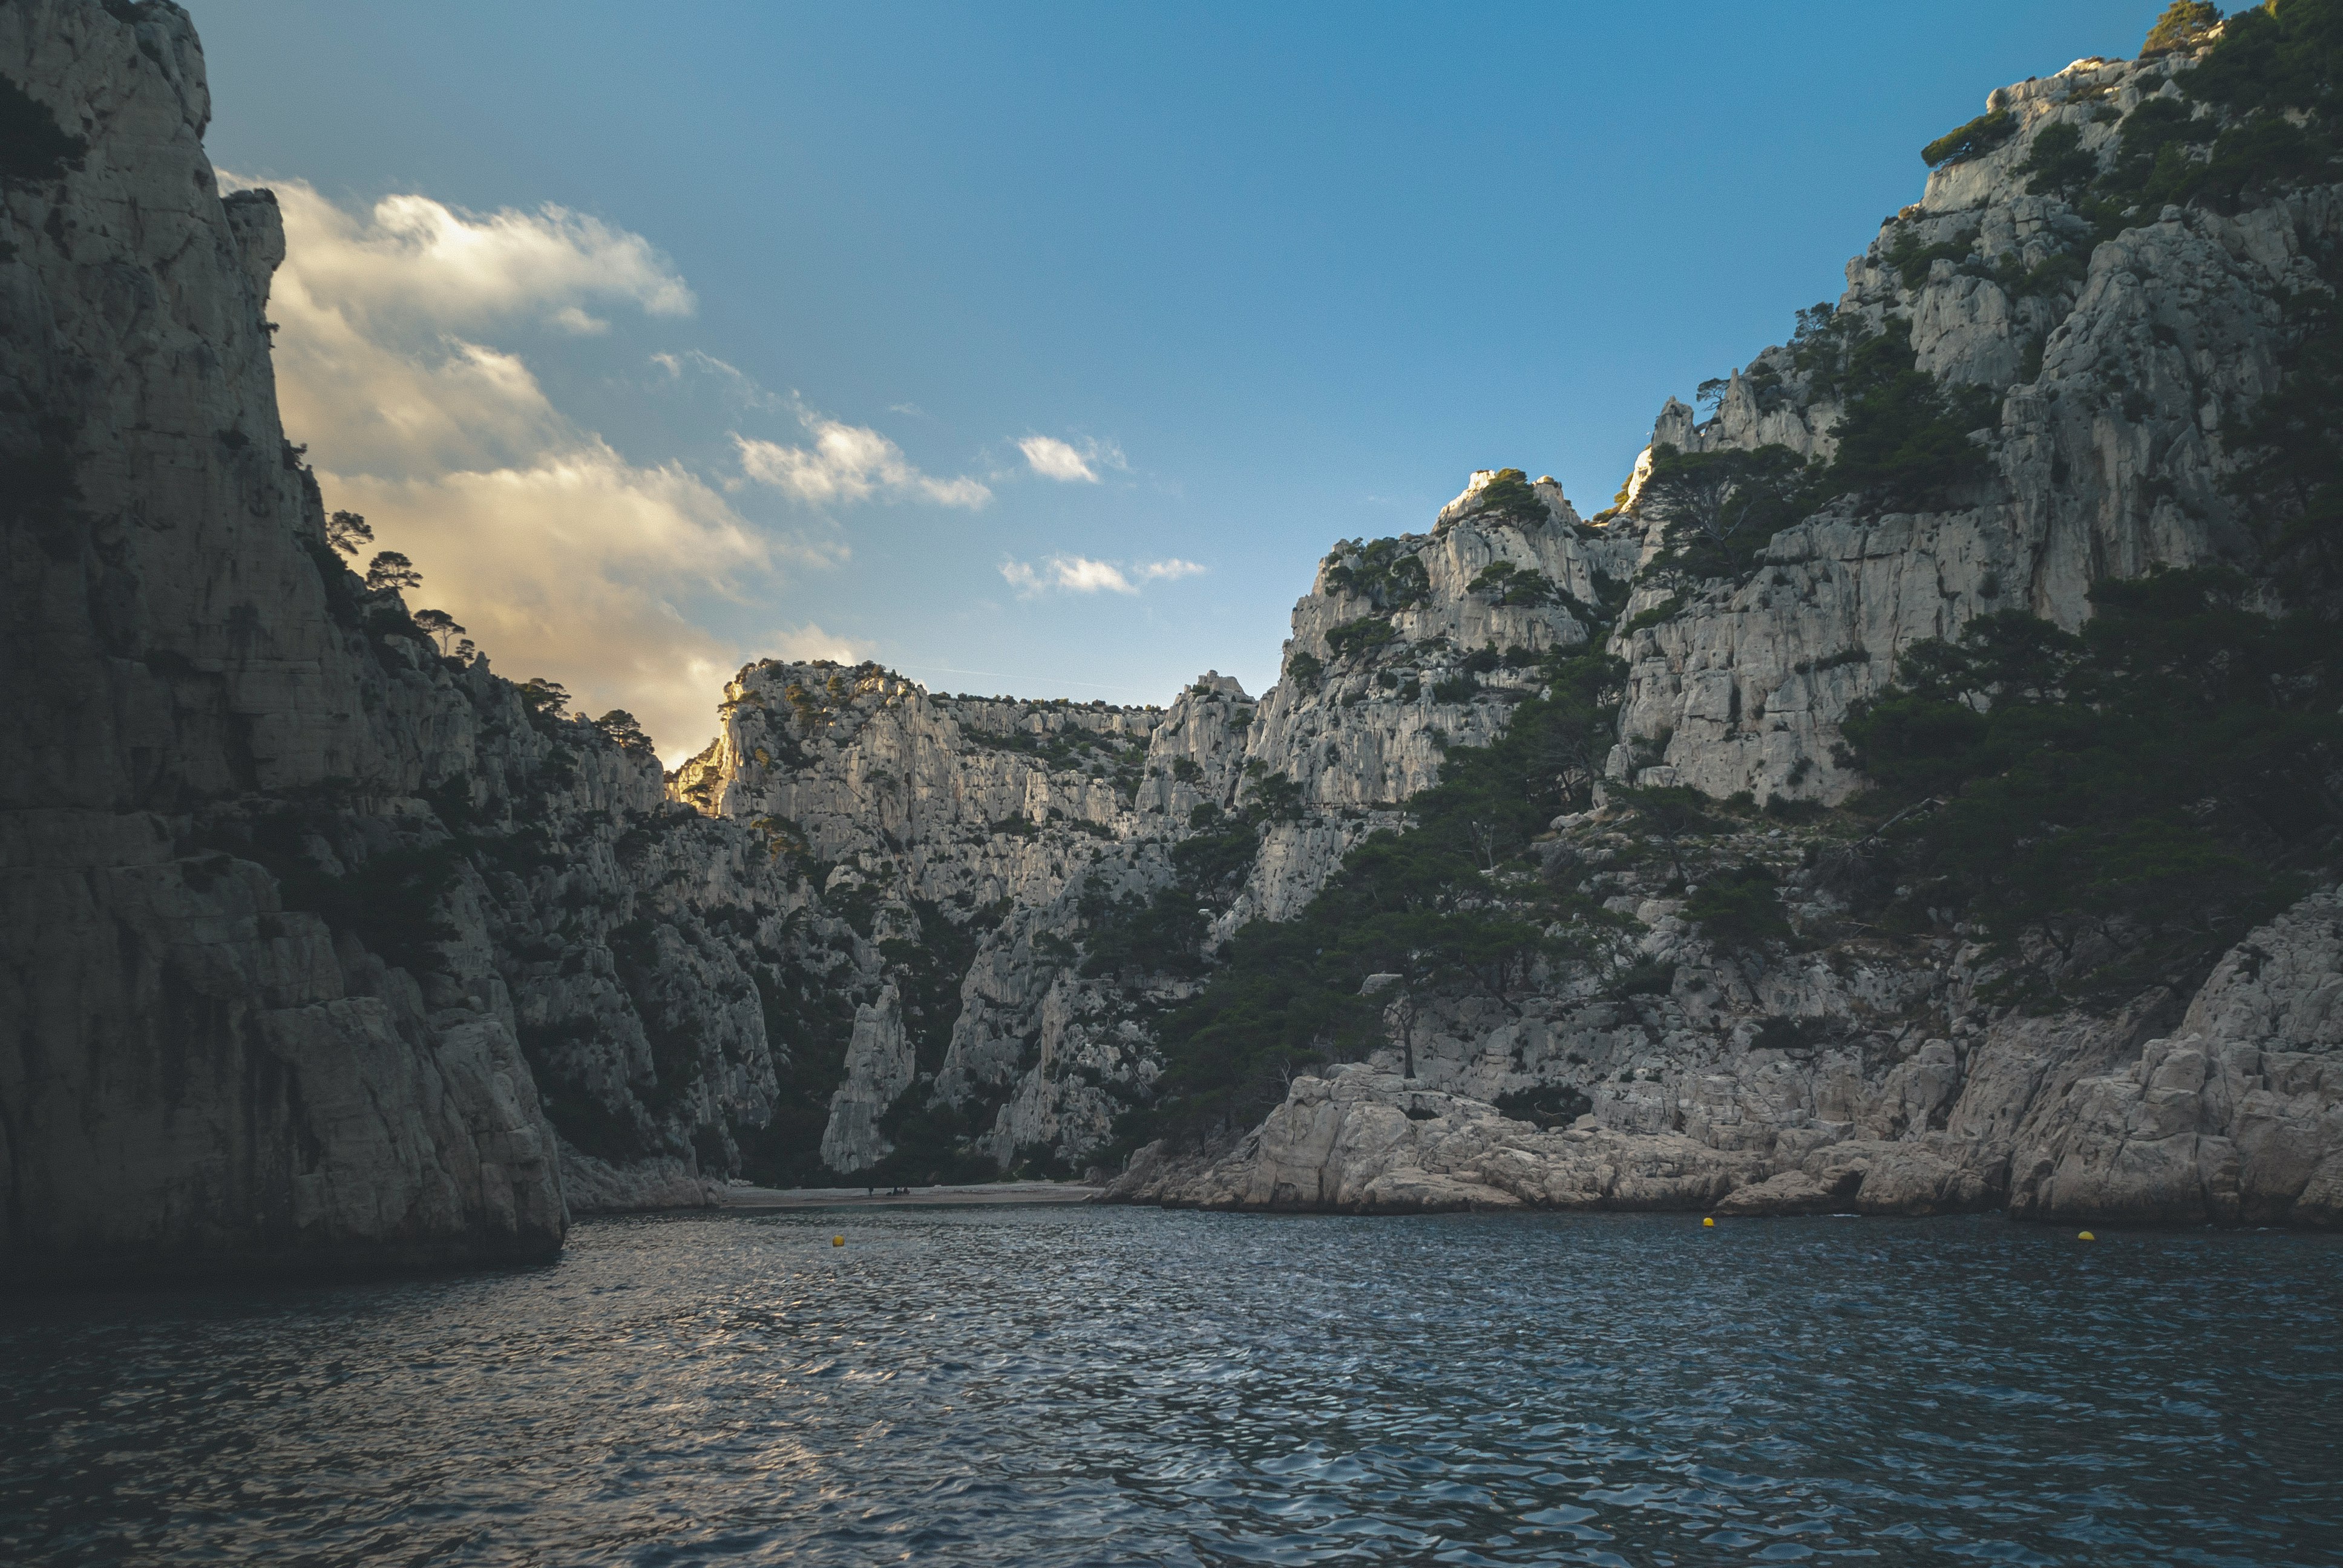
324	948
2107	354
306	924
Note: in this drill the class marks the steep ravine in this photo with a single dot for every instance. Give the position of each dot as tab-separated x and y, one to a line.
324	948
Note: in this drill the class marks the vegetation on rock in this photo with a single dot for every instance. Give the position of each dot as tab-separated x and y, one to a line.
1424	904
1976	139
2171	765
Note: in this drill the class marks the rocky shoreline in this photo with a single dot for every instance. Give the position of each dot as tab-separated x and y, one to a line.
2236	1117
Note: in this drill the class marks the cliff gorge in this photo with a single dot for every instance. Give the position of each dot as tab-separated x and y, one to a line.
1683	854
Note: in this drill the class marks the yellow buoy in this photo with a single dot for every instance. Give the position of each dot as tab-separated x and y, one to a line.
838	1241
1709	1221
2085	1236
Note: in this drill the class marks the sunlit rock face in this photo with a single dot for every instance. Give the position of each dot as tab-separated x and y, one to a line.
983	836
1846	1069
2116	364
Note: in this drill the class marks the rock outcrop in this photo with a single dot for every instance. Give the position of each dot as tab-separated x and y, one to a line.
983	842
304	926
2109	355
2112	365
2235	1118
320	947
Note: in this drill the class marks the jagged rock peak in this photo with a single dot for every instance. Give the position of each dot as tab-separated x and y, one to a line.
1507	504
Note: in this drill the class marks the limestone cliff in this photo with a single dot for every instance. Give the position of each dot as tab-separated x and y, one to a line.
306	925
988	847
2110	360
321	947
2108	363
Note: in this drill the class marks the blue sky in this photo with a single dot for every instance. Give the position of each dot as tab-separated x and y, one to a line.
1275	275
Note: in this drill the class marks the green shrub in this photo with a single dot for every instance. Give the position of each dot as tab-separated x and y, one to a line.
809	1022
1509	584
1305	670
1976	139
1386	572
1508	498
1666	610
1549	1105
1739	909
1721	508
2057	163
1912	261
1359	636
2052	275
1904	439
2166	764
1650	978
2183	25
2289	478
927	972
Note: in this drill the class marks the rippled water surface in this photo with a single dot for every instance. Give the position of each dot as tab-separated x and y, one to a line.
1052	1385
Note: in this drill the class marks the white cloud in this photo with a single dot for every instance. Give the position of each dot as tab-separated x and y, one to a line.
569	567
1063	461
741	387
563	559
810	641
849	463
413	257
1081	574
1074	574
1055	459
572	319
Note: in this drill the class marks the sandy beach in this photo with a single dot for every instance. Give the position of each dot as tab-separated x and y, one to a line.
983	1192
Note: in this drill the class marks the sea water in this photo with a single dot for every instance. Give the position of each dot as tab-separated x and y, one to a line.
1077	1385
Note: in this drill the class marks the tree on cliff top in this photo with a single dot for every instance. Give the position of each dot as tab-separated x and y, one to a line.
620	727
348	532
439	626
391	570
1721	508
2183	25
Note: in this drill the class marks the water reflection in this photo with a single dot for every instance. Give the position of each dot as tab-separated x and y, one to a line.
1055	1386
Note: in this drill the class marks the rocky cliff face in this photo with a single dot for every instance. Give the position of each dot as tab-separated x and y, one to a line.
2233	1116
305	925
2109	364
983	845
2103	357
324	948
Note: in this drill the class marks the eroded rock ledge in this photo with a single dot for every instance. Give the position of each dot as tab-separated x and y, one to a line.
2235	1118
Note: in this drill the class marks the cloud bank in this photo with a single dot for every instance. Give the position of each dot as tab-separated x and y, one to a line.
562	558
